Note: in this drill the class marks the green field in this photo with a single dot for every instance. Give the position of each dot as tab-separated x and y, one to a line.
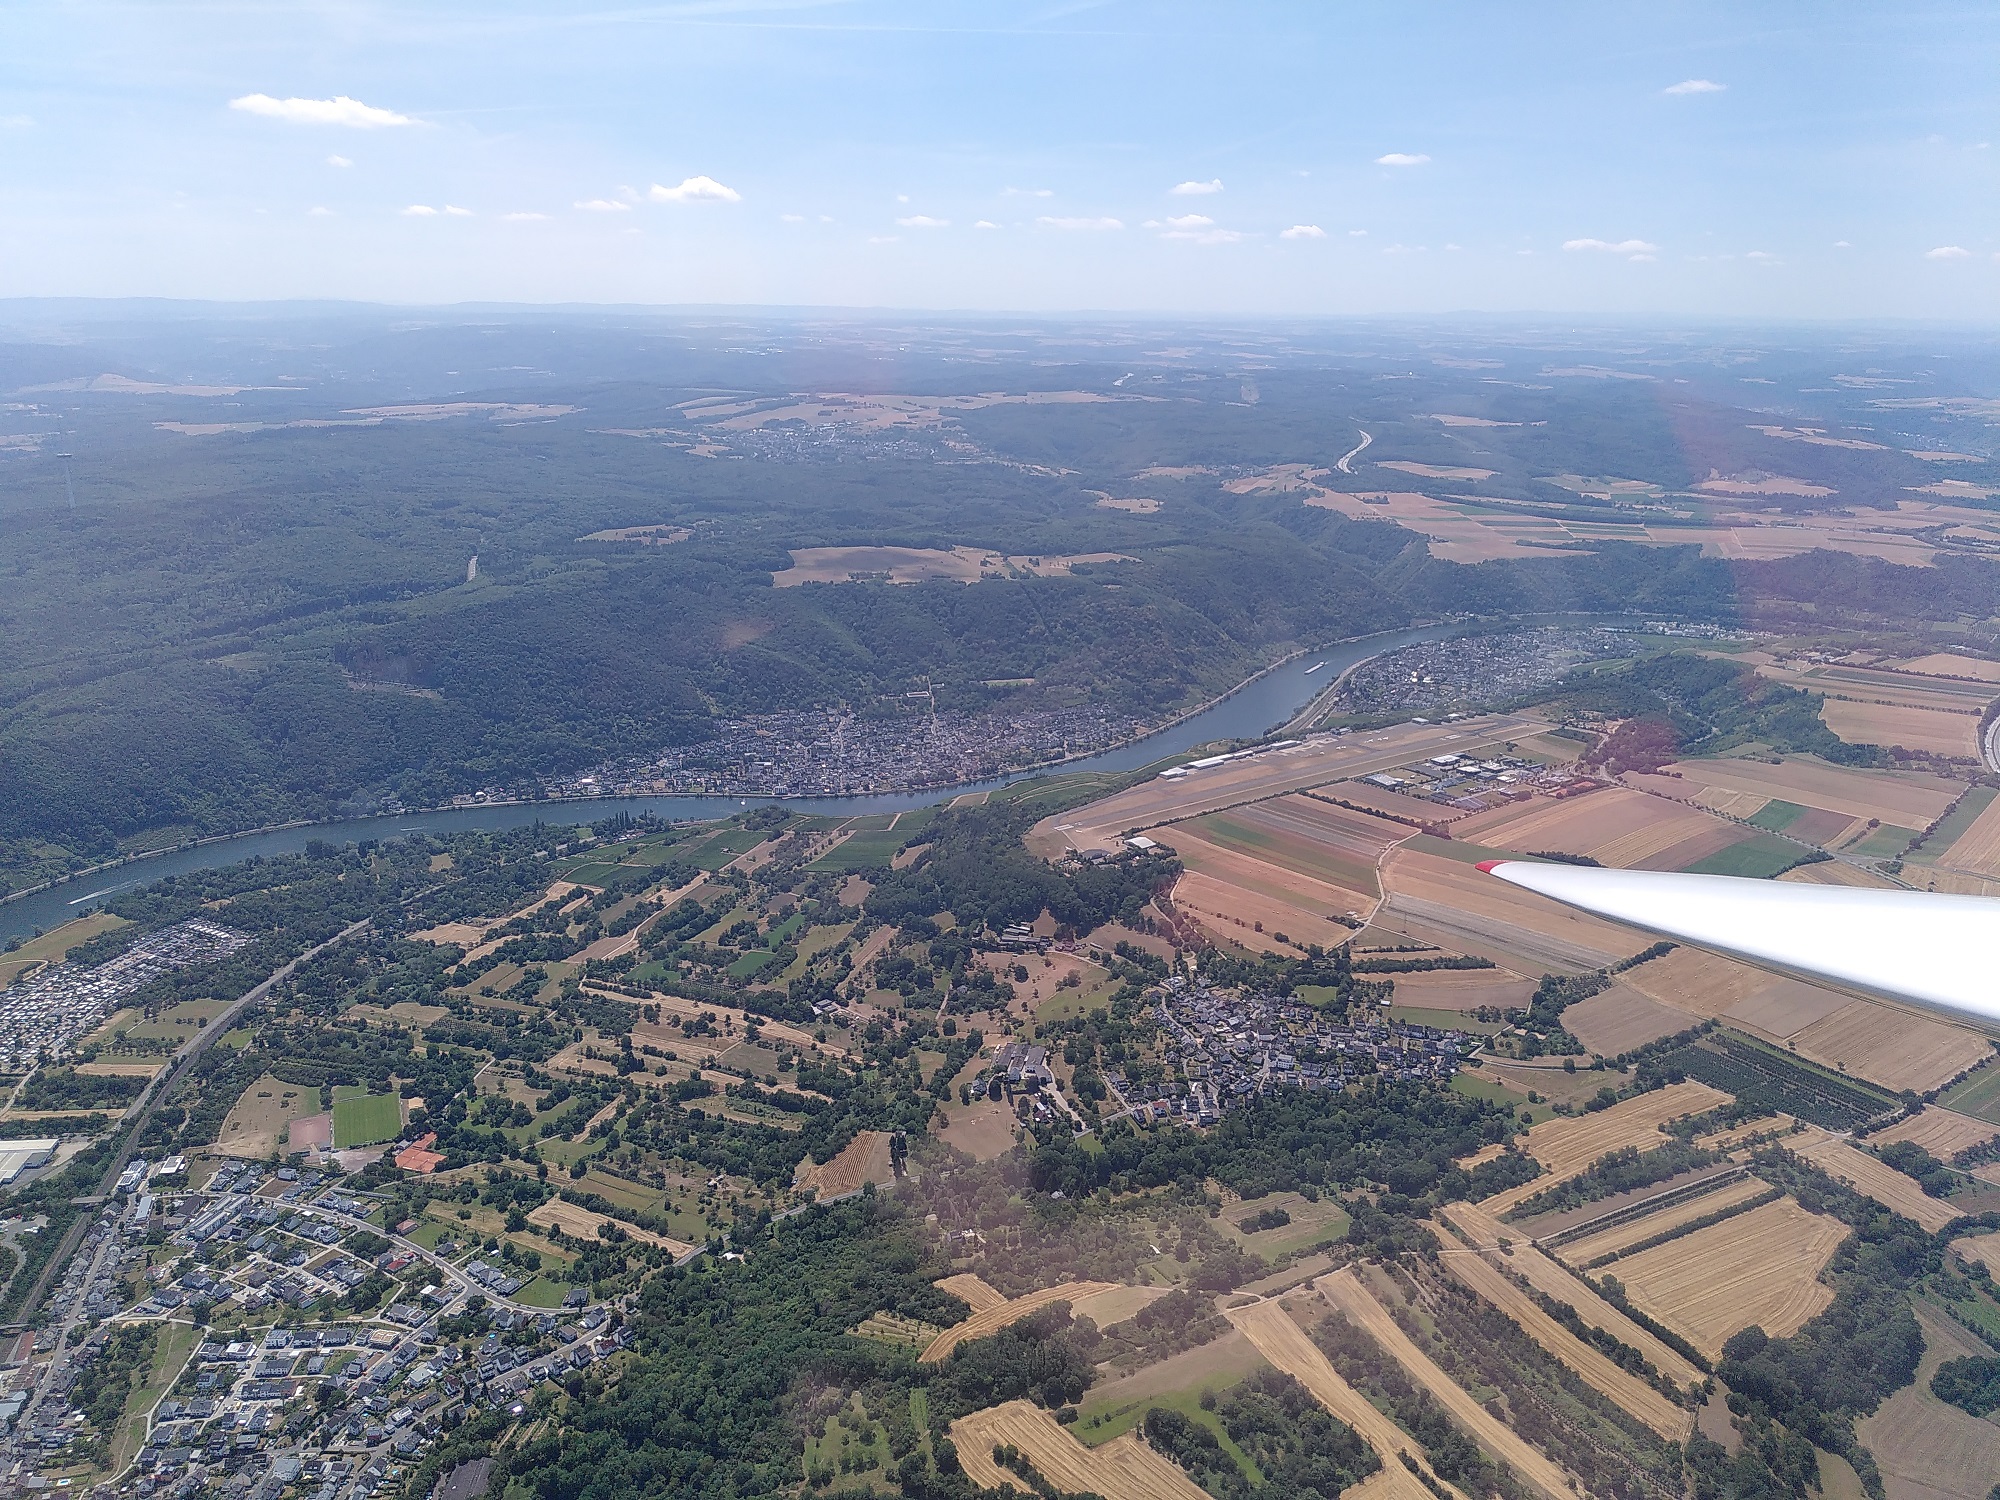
1445	1020
718	849
1977	1095
1886	842
1961	817
364	1119
753	964
1759	858
1777	816
1474	1086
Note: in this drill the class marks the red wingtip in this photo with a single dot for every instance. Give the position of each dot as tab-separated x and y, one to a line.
1485	866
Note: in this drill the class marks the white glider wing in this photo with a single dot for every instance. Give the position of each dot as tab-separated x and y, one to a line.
1934	950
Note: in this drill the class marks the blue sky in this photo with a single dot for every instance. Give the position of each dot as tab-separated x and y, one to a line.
1772	160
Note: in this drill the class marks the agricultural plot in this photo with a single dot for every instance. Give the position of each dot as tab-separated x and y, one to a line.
1866	1174
1463	990
972	1291
1475	913
1307	836
1246	903
1708	986
364	1119
1282	1342
1757	858
1345	1291
992	1319
262	1114
1595	1249
1977	849
1126	1468
1892	1047
1566	1146
1909	799
1955	824
1926	1449
1760	1267
1947	664
1940	731
583	1223
1978	1095
1619	1020
1312	1224
1670	1420
1779	1081
1617	827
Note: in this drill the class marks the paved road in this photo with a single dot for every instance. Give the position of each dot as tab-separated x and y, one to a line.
1989	746
1349	456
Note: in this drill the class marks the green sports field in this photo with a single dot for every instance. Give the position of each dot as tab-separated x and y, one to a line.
364	1119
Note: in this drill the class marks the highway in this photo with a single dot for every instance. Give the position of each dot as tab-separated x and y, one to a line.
1351	454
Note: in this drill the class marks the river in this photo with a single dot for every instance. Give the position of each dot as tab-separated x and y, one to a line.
1252	710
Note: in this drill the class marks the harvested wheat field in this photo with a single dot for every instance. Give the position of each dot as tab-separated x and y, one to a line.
1866	1174
973	1291
987	1320
1707	985
1984	1248
1891	1046
1834	872
1464	989
1552	1279
1346	1292
1589	1250
1115	1306
1288	1348
917	564
1945	664
1471	910
1761	1267
863	1160
1618	827
1236	915
584	1223
1618	1020
1765	1125
1238	887
1926	1449
1126	1468
1908	799
1942	1132
1670	1420
1942	731
1566	1146
1978	848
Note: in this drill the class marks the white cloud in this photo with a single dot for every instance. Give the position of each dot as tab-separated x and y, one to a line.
420	211
1404	249
985	224
693	190
1302	232
1014	192
1613	247
17	122
924	221
791	218
603	206
339	161
1205	236
339	110
1642	256
1762	257
902	197
1189	221
524	216
1947	252
1402	159
883	239
1357	234
1061	223
319	213
456	212
1842	245
1695	86
1196	189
